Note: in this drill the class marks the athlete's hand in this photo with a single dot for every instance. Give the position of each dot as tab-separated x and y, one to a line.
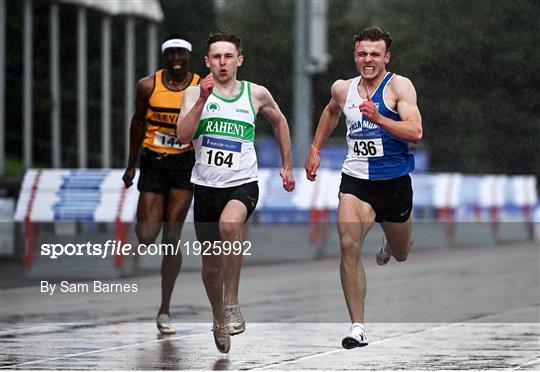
207	86
369	110
128	176
312	165
288	179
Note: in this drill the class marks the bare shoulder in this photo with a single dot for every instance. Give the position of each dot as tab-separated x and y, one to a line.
145	86
341	84
191	95
339	90
261	97
193	91
259	92
402	85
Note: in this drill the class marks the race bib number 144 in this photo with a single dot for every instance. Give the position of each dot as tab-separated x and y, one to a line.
168	140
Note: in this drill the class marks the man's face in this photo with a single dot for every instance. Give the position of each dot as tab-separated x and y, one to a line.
177	60
223	60
371	58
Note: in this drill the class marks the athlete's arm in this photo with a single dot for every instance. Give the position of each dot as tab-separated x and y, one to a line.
271	111
138	127
327	123
410	126
192	107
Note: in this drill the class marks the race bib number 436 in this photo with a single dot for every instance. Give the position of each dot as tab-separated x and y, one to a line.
222	153
368	148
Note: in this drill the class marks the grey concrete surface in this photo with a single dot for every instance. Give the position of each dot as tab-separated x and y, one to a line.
468	308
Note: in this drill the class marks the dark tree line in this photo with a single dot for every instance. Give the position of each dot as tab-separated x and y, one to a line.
475	65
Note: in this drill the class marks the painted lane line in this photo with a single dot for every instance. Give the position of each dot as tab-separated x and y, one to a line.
316	355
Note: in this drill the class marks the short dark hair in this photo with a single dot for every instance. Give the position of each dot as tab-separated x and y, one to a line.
374	34
224	36
176	35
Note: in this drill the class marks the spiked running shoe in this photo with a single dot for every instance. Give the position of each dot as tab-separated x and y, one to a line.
235	320
222	337
164	325
383	256
357	337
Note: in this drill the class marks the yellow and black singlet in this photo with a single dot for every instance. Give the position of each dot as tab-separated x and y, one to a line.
162	115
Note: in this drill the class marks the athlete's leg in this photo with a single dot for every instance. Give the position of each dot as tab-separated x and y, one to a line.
355	218
231	225
150	209
399	238
245	230
212	275
177	206
206	215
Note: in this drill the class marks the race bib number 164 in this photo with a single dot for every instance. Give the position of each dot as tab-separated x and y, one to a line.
217	152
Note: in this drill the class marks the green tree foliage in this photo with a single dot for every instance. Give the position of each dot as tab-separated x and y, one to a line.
265	28
474	65
196	19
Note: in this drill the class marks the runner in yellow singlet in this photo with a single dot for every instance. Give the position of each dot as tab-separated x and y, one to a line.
165	165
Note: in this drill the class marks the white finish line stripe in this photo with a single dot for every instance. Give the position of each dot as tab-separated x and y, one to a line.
316	355
528	363
67	356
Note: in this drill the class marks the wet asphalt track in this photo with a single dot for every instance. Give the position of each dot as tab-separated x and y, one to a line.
466	308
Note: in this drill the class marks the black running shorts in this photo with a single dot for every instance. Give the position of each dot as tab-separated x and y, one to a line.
209	203
161	172
390	199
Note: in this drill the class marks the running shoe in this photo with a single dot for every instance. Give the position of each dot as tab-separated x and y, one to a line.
221	337
164	325
357	337
235	321
383	256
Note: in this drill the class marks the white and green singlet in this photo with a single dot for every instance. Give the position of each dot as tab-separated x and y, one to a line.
224	141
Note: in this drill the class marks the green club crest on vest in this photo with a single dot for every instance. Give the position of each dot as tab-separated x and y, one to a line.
213	107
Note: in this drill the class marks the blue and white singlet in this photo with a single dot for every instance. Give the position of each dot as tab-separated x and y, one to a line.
373	153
